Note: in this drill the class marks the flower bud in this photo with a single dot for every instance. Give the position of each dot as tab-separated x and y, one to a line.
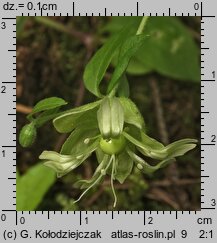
27	135
110	117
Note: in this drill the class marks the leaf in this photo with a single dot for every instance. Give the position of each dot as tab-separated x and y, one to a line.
123	167
136	67
46	116
97	66
131	113
169	50
32	186
48	104
128	49
66	122
20	23
123	88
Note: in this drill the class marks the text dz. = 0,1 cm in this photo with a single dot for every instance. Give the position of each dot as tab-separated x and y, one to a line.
41	6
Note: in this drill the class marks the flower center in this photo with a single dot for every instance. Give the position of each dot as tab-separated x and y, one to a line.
113	145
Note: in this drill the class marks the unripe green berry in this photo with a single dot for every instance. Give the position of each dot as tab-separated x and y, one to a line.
27	135
113	145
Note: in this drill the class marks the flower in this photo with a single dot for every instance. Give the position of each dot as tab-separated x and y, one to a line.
114	129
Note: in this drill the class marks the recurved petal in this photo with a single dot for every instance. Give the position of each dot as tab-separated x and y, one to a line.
146	149
62	164
54	156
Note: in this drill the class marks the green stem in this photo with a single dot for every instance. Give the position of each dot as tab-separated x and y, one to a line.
142	25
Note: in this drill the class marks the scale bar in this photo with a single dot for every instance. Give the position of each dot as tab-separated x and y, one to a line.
207	144
8	82
8	18
9	146
208	208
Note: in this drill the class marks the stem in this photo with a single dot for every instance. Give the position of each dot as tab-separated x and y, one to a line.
142	25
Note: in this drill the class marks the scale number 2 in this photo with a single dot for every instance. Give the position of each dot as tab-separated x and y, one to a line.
3	89
213	138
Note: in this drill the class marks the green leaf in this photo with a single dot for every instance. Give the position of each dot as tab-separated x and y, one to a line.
97	66
136	67
128	49
32	186
67	121
46	116
131	113
20	23
123	88
123	167
169	50
48	104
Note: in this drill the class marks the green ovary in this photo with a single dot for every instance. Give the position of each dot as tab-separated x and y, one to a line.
113	145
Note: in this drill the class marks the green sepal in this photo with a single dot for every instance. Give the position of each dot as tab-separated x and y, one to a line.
131	113
75	143
110	117
123	168
67	121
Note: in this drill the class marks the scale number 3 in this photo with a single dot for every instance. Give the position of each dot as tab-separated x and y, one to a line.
3	25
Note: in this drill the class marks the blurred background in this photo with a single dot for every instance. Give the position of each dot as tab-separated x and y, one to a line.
164	81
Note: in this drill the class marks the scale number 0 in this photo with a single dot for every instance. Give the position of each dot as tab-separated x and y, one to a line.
196	6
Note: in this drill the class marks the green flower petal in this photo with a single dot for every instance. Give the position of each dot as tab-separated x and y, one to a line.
145	167
146	149
124	165
100	170
67	120
62	164
181	147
